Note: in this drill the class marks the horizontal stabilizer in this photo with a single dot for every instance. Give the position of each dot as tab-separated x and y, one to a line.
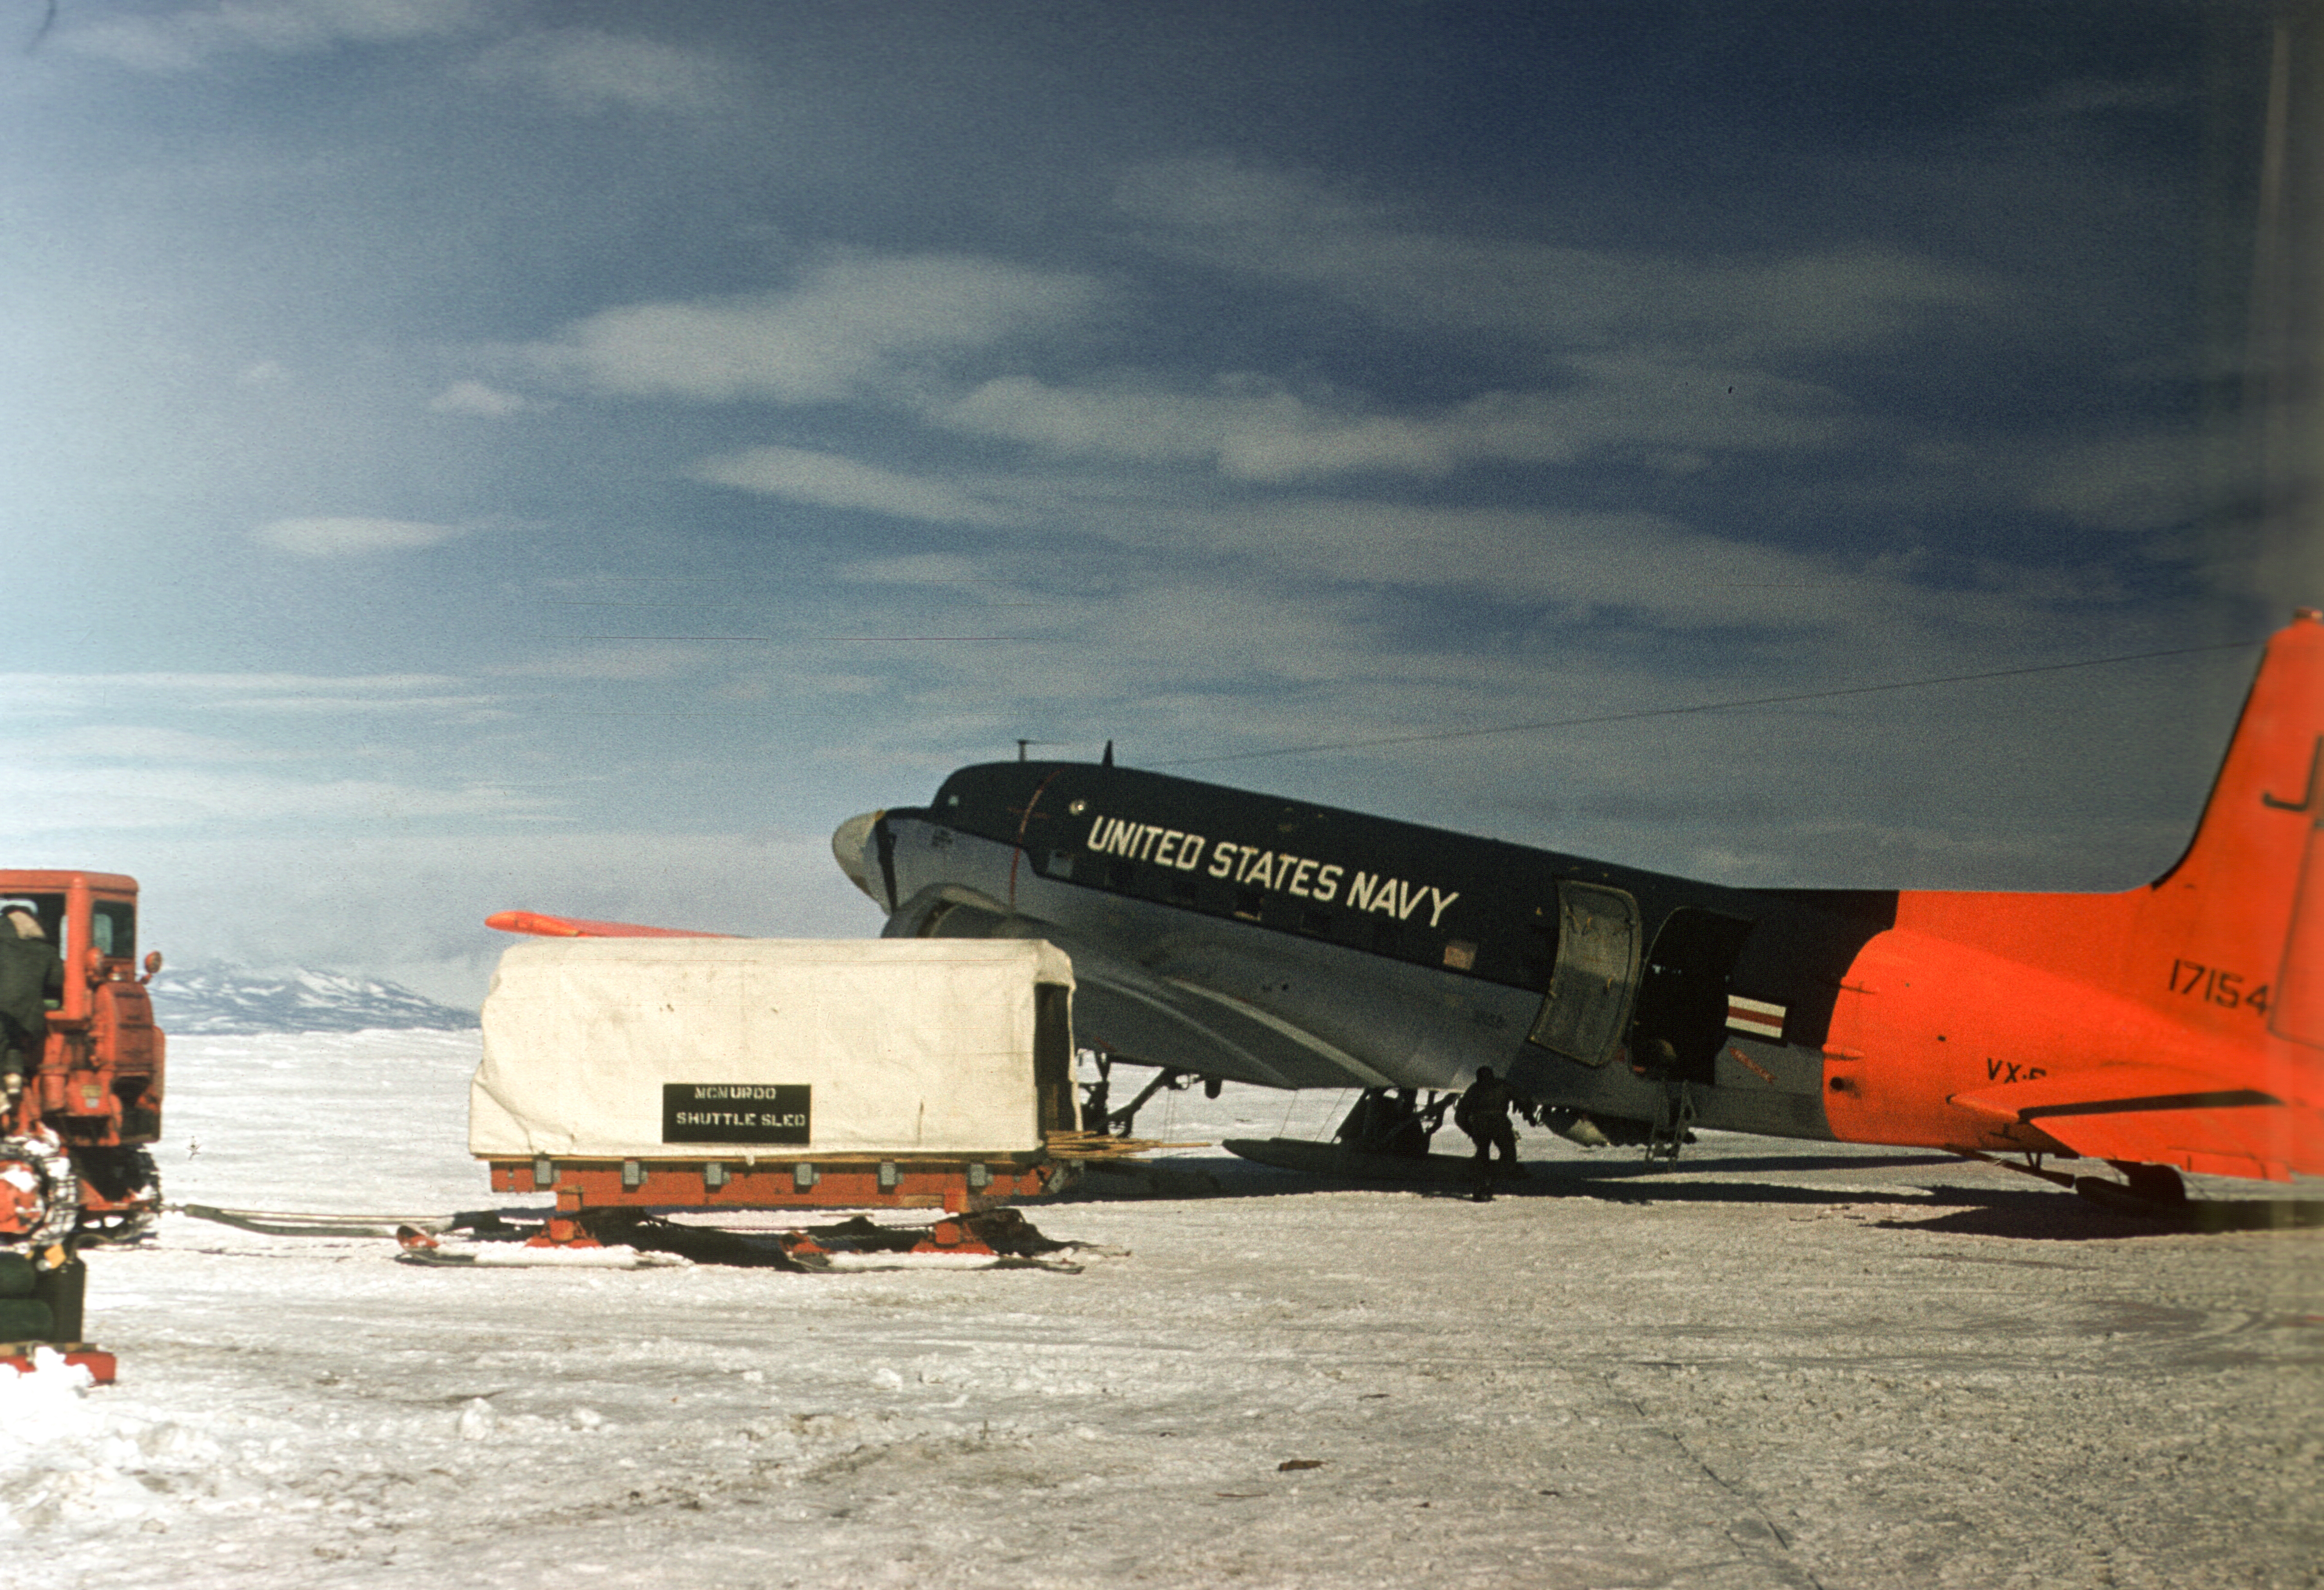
2165	1116
575	927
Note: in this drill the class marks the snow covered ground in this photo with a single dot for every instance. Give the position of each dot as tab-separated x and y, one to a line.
1770	1366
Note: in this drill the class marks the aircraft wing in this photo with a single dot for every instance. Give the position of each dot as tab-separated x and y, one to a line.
1171	1022
1153	1018
575	927
2164	1114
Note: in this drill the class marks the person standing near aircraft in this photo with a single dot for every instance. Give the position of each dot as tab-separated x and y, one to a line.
1483	1113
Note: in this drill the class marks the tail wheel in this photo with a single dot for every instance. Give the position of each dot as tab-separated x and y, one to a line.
130	1184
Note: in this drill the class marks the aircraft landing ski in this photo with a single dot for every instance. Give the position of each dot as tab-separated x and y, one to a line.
1328	1159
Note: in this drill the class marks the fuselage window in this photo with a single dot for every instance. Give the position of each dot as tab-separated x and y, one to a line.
1540	952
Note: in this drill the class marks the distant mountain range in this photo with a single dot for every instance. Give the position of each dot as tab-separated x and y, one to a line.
233	999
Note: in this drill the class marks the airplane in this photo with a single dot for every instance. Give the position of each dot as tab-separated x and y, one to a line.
1227	935
1223	935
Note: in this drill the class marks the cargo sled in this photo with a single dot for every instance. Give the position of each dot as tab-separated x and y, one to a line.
775	1073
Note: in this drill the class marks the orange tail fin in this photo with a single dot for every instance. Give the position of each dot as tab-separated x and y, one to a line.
2179	1022
2243	912
2231	938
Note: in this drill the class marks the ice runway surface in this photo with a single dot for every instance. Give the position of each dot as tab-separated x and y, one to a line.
1770	1366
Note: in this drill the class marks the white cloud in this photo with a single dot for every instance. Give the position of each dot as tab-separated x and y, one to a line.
145	742
1124	419
1297	228
66	793
474	397
923	568
2148	482
959	588
1582	563
125	759
114	695
855	322
1210	193
831	481
411	906
75	782
471	708
589	71
351	538
185	40
630	661
1569	567
1251	430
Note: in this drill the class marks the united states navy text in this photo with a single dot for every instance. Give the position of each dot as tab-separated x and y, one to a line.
1324	882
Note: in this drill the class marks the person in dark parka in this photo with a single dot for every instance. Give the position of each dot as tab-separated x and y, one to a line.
32	973
1483	1113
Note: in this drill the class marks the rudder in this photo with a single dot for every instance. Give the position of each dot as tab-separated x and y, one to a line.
2297	1012
2246	903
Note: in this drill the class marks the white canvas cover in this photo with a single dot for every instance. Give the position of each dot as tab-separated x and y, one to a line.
910	1046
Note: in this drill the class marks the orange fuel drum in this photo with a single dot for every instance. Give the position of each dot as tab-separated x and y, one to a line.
2180	1022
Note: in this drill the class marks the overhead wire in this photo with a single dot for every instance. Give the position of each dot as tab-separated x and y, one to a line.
1714	706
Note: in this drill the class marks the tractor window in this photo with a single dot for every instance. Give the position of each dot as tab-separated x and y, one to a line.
114	927
48	908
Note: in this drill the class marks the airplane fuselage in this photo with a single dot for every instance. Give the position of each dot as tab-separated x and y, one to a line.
1231	934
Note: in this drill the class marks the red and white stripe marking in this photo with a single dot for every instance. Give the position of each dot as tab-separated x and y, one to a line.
1755	1016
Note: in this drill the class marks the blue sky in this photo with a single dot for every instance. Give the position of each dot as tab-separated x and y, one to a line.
470	453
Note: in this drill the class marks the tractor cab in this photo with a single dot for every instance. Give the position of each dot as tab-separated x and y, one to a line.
92	1084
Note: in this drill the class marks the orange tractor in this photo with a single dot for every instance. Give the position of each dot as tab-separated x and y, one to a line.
74	1165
